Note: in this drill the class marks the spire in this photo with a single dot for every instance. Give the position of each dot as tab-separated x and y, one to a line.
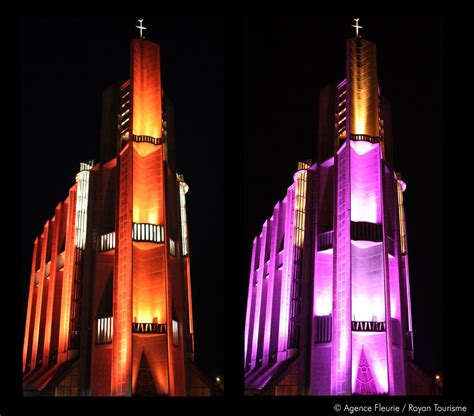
362	87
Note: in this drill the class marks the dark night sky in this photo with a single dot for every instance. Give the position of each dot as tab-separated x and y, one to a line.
67	62
286	62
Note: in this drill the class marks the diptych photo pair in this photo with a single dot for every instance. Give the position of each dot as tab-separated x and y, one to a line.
259	195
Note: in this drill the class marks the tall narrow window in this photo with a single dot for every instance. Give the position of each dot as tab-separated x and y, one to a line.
183	188
82	179
300	203
172	247
175	333
401	217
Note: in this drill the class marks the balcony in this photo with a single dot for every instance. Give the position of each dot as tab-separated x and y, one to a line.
368	326
365	138
148	328
86	166
105	327
325	240
148	233
323	329
148	139
366	231
107	241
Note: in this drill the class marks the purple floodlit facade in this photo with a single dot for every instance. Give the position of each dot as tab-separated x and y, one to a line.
328	310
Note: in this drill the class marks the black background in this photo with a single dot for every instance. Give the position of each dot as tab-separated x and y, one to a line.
274	68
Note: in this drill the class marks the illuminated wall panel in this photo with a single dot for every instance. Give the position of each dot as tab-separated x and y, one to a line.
122	305
287	275
394	278
55	224
101	360
47	326
68	276
265	283
368	290
37	345
146	88
270	282
56	313
323	272
149	283
101	365
259	283
341	370
177	284
281	208
365	182
249	319
375	348
398	367
147	183
156	350
368	304
43	323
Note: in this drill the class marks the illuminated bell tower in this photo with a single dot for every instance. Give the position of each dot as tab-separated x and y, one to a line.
328	309
359	281
148	306
370	288
109	307
370	311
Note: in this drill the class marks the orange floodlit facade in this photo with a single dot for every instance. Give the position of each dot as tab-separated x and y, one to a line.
109	307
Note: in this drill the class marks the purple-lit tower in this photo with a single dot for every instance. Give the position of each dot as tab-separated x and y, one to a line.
328	309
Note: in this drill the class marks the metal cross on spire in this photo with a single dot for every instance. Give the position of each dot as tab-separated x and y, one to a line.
141	28
357	27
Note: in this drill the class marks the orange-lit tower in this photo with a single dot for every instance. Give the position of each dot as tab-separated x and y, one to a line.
109	308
